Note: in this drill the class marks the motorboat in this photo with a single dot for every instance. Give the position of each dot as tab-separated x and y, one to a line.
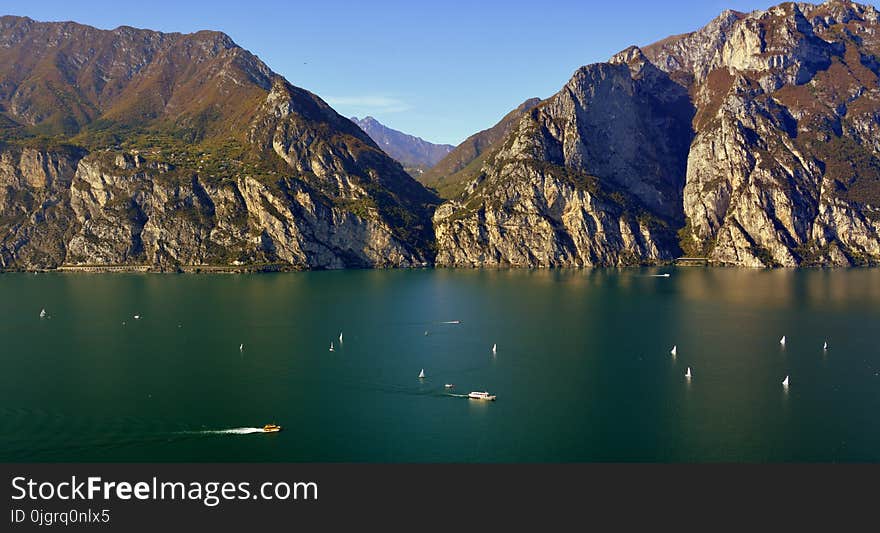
271	428
481	396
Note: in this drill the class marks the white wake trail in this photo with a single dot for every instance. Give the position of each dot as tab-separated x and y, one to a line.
232	431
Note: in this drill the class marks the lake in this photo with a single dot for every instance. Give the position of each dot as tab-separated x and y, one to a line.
583	370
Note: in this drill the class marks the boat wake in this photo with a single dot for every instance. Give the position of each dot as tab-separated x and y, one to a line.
232	431
457	395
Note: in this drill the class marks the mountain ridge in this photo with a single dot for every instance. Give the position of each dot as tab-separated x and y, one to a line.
414	153
462	163
752	141
782	166
193	118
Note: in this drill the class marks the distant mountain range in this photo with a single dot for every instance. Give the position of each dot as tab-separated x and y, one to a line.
753	141
415	154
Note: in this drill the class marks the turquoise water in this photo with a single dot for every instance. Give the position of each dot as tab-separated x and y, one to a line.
582	372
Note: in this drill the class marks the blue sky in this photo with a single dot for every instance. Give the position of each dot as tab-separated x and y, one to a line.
441	70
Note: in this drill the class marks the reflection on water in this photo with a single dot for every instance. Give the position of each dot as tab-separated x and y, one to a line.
583	370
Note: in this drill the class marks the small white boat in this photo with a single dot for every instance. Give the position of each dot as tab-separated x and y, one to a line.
426	333
688	373
331	346
43	313
782	340
137	317
422	374
494	349
241	347
825	345
674	351
481	396
785	382
340	337
449	386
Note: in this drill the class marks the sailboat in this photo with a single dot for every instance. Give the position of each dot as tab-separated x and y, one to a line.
331	346
782	340
785	382
241	347
494	349
340	337
825	346
422	374
688	373
674	351
43	313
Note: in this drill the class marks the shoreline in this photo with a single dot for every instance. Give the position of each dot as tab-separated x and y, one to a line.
690	263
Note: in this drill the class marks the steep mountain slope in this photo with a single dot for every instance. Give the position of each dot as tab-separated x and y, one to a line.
588	177
462	165
784	169
415	154
755	137
137	147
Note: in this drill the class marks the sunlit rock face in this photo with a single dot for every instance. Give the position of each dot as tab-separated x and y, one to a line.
752	141
134	147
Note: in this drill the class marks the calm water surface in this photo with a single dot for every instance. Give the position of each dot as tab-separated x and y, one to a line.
582	372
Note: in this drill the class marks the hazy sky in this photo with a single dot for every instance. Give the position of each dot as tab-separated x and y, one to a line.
441	70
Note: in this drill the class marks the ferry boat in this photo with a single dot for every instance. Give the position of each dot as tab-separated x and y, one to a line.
481	396
271	428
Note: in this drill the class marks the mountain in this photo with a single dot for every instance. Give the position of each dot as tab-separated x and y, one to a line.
752	141
136	147
461	166
415	154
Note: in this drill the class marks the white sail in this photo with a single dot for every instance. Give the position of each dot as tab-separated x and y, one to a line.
688	374
825	345
422	374
241	347
331	346
674	351
494	348
43	313
785	382
340	337
782	340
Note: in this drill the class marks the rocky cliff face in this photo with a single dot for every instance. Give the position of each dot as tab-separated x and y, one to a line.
783	170
754	138
132	147
109	208
753	141
588	177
